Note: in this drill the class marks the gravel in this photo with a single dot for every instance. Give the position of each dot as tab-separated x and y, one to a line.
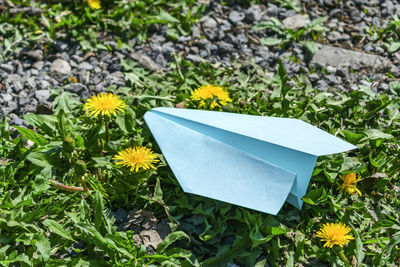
224	34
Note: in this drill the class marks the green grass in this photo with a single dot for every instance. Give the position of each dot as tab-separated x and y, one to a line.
117	21
38	221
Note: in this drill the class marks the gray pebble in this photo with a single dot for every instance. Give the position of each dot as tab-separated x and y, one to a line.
37	55
183	39
332	80
225	25
241	38
193	58
226	47
85	66
253	13
31	82
43	84
331	69
322	85
209	23
235	16
7	68
160	60
42	95
6	97
15	82
296	22
334	36
379	50
313	77
60	67
38	65
158	39
11	107
196	33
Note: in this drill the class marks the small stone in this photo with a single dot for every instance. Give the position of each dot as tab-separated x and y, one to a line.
235	16
313	77
335	12
60	67
211	34
145	61
38	65
196	33
368	47
35	54
15	120
11	107
15	82
253	13
6	97
168	48
322	85
335	56
379	50
116	78
263	52
156	48
77	58
44	84
225	25
184	39
334	36
158	39
272	10
246	51
331	69
31	82
160	60
23	98
76	87
241	38
7	68
332	80
60	46
203	53
209	23
85	66
226	47
42	95
296	22
193	58
366	83
34	72
384	87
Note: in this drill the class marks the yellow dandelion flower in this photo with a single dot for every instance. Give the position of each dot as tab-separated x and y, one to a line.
136	158
104	104
350	183
210	92
335	234
95	4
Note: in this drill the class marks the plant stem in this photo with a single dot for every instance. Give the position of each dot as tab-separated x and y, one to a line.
344	258
106	129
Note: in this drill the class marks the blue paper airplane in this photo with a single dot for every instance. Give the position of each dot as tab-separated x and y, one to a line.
251	161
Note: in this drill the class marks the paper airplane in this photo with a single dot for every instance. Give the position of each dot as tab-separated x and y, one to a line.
251	161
